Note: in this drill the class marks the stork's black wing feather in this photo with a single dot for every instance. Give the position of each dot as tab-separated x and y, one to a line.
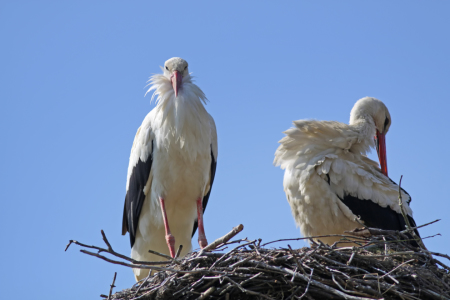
135	197
377	216
206	197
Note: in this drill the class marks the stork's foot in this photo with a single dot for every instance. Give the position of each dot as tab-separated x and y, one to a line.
202	242
170	240
201	230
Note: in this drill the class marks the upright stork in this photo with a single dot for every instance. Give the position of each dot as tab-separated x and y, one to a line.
171	169
329	180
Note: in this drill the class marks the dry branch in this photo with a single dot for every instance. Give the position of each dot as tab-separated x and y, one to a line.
408	225
115	274
224	239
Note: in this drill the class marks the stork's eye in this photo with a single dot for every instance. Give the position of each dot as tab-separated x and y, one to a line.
386	123
185	67
167	68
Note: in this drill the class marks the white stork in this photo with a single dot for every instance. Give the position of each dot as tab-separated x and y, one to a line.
329	180
171	169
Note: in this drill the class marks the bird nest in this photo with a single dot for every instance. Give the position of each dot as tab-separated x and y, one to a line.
379	264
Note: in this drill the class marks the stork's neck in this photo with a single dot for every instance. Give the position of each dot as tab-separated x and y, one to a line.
365	126
181	120
178	111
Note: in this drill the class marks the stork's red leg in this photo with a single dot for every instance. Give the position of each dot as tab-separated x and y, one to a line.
170	239
201	230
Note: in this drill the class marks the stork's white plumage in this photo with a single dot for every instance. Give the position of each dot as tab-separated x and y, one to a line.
171	169
329	180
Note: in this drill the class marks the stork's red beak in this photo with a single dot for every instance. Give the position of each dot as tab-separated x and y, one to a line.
176	79
380	140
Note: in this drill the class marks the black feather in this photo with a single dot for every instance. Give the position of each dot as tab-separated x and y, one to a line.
206	197
135	196
377	216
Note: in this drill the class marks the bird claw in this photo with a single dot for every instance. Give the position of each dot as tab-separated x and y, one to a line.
170	240
202	242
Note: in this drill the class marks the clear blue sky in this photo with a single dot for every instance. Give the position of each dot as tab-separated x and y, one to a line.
72	96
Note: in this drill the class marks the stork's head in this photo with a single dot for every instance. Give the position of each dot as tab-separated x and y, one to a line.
175	69
374	112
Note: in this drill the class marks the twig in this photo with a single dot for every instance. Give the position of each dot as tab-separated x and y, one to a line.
224	238
165	256
247	291
347	291
408	225
299	266
313	237
143	283
115	261
307	286
110	249
436	295
397	267
178	251
251	278
227	254
137	266
437	254
387	274
385	246
400	202
240	262
112	284
432	236
207	293
352	256
426	224
388	289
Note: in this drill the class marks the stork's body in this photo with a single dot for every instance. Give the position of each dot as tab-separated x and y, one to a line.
329	180
171	169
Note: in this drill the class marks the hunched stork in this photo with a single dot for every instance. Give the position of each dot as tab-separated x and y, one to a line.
171	169
329	180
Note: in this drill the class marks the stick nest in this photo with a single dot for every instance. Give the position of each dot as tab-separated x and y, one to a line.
378	264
